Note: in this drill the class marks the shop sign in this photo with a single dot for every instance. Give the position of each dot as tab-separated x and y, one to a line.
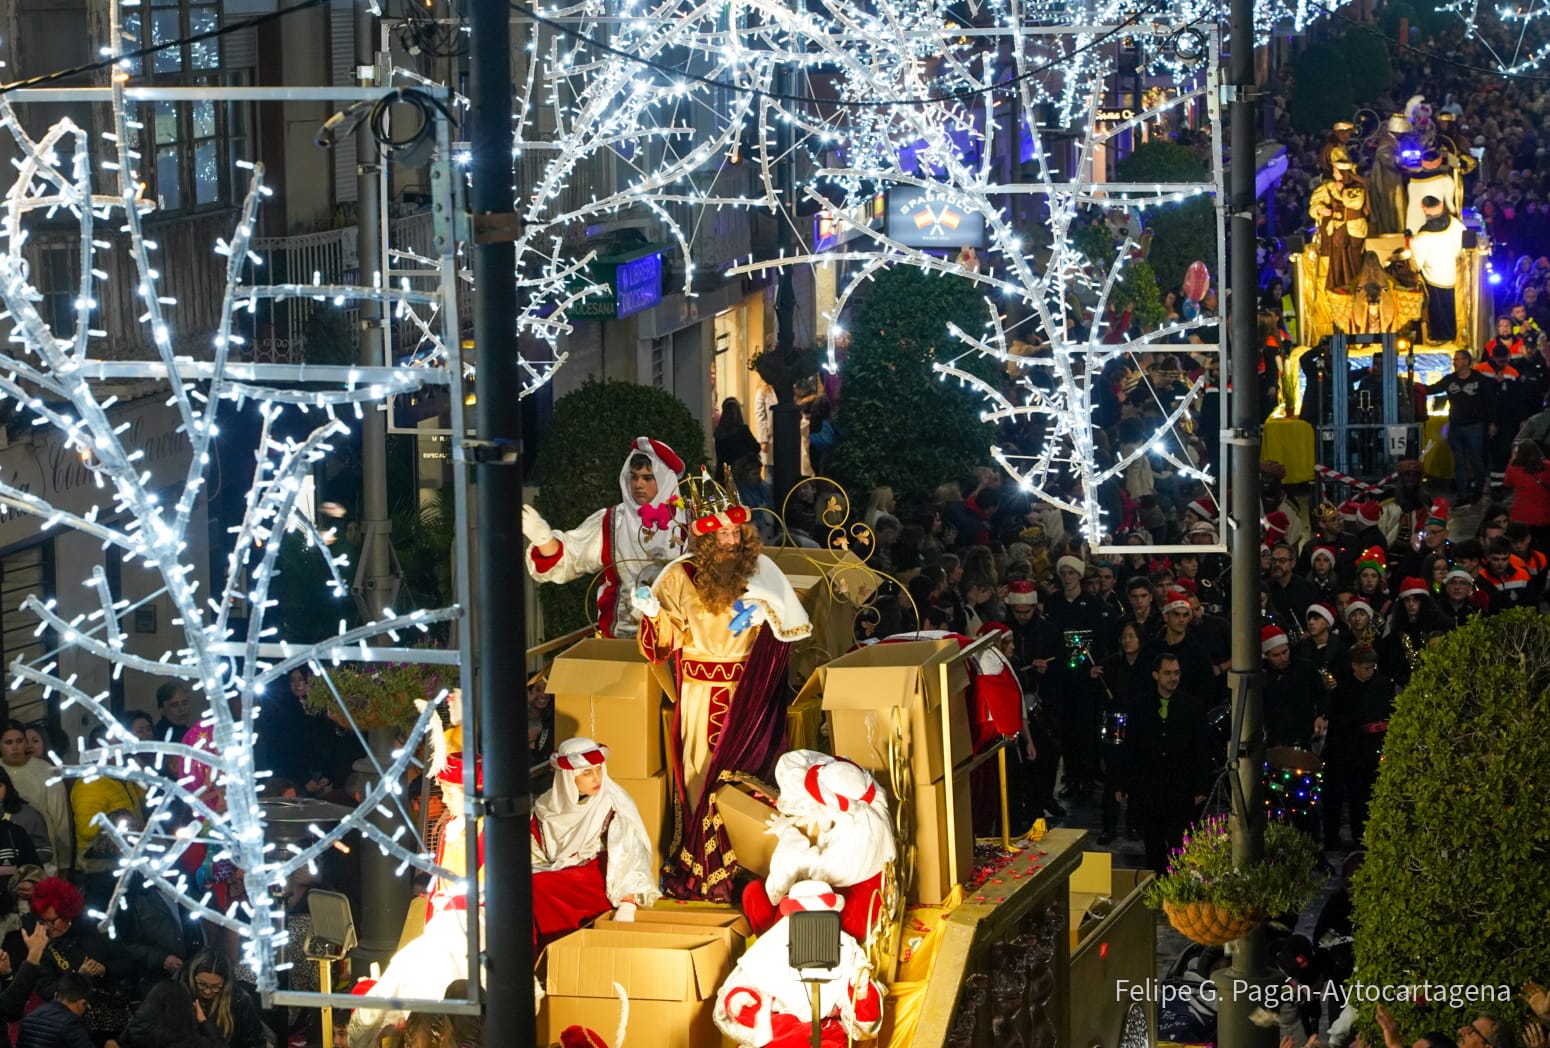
632	283
918	218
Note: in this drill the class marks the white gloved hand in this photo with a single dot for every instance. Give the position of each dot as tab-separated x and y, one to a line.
645	602
535	528
625	913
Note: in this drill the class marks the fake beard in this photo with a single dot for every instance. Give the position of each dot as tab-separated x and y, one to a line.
721	574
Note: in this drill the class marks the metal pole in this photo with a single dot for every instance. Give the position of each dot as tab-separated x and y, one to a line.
509	1011
786	417
1234	1030
384	894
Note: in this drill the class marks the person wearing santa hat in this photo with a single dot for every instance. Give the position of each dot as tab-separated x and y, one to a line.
1366	527
1371	571
1415	620
1321	570
1037	762
1404	515
1358	720
1274	499
629	542
765	1004
1070	686
1434	541
1197	677
832	824
590	849
1360	622
1295	699
1165	764
1461	600
1321	645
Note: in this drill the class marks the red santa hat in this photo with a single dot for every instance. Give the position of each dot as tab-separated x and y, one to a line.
1276	526
452	773
578	754
1189	586
1348	510
1323	610
1176	599
840	784
1438	514
1022	593
1372	557
808	896
993	627
1357	605
1368	512
1202	509
1413	587
1322	550
1272	637
650	446
581	1037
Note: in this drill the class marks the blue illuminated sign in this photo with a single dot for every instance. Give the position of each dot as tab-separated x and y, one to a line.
638	284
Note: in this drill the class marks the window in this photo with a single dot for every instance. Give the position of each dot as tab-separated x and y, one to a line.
58	280
193	146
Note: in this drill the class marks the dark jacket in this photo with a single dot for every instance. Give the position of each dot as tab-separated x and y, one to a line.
148	932
1358	719
69	951
16	847
141	1033
1165	764
1471	399
13	1000
247	1029
53	1026
1293	698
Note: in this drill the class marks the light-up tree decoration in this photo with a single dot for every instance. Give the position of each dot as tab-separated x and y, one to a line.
944	149
50	376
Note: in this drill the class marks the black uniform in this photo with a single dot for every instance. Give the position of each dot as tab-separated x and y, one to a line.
1166	764
1293	698
1071	695
1358	718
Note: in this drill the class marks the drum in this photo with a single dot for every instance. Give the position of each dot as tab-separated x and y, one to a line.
1294	785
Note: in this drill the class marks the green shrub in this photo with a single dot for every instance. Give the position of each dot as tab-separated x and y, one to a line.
900	425
1183	231
588	437
1456	885
1367	64
1321	93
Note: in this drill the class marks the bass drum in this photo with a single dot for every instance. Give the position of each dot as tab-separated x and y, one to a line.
1219	728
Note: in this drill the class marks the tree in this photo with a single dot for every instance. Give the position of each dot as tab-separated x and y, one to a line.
1322	92
1367	64
1456	883
900	425
578	467
1183	231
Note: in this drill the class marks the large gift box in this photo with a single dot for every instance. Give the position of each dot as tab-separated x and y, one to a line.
869	691
650	796
933	876
605	690
670	980
730	926
744	816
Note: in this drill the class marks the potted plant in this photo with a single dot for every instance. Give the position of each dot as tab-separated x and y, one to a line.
378	695
1210	901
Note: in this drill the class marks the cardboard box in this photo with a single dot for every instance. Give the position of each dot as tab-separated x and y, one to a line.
744	816
606	690
933	881
862	690
676	919
650	796
671	981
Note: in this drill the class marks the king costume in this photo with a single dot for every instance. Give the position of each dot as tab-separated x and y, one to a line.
730	668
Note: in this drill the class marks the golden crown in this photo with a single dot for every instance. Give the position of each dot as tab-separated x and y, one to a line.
714	506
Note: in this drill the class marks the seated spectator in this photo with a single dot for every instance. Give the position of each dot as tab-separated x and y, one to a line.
158	939
60	1023
75	947
171	1018
209	979
96	855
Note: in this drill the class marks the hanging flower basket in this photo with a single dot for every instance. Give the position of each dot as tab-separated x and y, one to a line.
1207	923
380	696
1212	900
